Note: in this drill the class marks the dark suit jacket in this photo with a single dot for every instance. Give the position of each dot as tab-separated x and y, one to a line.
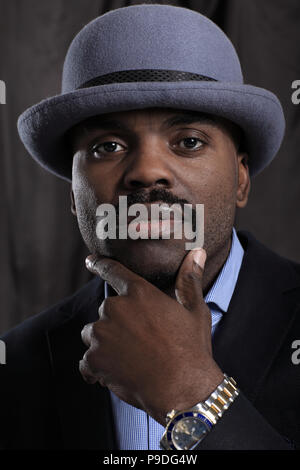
45	404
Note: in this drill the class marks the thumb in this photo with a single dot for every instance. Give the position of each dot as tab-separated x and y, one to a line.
188	286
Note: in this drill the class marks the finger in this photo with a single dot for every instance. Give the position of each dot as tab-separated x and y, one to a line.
113	272
86	334
188	286
86	373
107	306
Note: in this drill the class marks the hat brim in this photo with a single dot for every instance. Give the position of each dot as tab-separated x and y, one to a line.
257	111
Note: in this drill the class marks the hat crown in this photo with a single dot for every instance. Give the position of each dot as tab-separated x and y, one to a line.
159	37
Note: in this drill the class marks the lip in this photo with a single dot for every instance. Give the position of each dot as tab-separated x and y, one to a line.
165	210
153	229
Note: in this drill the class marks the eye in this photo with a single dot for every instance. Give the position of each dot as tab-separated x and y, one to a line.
191	143
106	147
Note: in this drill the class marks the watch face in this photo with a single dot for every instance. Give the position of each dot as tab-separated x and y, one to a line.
187	430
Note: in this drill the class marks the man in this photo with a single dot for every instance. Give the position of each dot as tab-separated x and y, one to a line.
179	349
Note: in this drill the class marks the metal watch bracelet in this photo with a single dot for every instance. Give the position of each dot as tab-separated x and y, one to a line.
211	410
219	400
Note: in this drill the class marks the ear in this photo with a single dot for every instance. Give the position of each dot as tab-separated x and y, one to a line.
73	207
243	182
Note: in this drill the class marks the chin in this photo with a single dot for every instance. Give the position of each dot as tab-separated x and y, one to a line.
157	261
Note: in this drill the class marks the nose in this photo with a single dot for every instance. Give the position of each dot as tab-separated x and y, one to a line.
149	165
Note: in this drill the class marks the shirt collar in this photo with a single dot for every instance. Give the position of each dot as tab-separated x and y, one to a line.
221	292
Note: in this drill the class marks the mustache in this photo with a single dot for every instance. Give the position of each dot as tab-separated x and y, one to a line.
155	195
145	197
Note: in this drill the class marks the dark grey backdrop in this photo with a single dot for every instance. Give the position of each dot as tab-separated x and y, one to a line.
42	254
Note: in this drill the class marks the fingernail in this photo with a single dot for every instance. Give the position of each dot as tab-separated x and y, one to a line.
200	257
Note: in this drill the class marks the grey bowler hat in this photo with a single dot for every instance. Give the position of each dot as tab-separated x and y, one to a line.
151	56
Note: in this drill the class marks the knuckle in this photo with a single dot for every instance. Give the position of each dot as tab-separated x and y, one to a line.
93	332
184	283
89	362
87	358
186	303
108	308
86	333
107	269
104	307
101	311
191	277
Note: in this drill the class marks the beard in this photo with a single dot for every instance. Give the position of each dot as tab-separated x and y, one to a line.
157	261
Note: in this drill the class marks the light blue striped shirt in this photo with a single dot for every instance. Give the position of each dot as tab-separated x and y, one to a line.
135	430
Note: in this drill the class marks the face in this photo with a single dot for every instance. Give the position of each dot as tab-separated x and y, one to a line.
158	155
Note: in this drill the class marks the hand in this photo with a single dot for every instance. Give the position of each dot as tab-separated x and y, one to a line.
152	351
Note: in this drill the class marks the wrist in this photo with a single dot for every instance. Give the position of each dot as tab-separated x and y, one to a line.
197	388
187	428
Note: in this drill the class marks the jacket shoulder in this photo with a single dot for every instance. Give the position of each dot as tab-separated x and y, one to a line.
283	272
28	337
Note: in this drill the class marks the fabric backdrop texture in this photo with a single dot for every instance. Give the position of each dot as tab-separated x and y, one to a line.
41	249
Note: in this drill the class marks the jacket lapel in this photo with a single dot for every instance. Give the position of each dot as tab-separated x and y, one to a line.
260	312
85	410
245	343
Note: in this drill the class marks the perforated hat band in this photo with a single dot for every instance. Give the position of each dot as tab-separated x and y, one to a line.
145	75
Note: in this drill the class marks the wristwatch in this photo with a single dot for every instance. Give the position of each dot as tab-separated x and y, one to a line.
186	429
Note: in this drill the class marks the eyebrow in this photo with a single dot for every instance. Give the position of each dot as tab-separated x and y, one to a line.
189	118
184	118
104	124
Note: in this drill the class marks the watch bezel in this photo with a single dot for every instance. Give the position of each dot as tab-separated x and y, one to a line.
182	415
